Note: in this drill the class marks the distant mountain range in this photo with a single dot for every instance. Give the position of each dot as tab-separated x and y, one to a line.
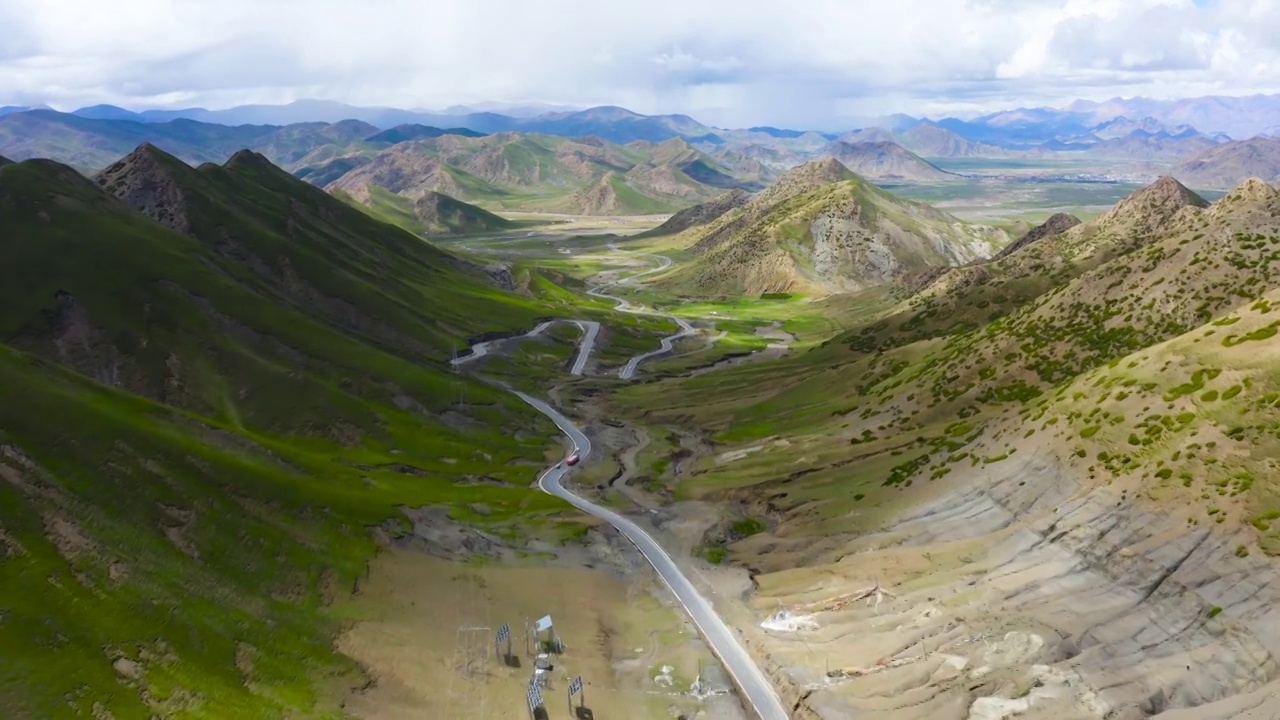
328	141
1214	116
886	161
522	171
1238	117
611	123
1224	166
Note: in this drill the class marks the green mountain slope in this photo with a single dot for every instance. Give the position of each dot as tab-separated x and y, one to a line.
431	214
535	172
951	299
323	173
444	215
819	228
204	403
1088	307
404	133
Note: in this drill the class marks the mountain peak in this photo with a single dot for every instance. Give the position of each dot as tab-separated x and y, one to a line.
152	182
1155	204
5	161
609	112
1057	223
826	170
804	178
1250	190
148	153
884	160
677	143
247	158
259	168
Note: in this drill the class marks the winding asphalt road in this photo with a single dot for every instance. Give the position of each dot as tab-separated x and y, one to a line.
724	643
668	344
481	349
756	688
628	371
590	329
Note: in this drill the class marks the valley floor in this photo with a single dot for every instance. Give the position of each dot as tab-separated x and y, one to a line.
636	652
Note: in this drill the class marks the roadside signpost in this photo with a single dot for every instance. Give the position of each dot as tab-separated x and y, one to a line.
575	688
544	624
504	633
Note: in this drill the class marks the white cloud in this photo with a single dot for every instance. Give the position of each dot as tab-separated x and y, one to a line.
731	61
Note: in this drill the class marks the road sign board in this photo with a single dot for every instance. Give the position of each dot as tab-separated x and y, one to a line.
543	624
575	687
504	632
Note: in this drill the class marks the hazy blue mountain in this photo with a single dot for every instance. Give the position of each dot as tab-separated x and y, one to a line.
611	123
10	109
92	144
519	110
404	133
775	132
1215	117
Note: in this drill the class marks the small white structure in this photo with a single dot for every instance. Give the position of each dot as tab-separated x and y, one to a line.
541	671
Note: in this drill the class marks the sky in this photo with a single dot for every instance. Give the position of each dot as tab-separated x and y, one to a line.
730	63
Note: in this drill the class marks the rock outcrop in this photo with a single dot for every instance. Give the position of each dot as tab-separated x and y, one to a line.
145	180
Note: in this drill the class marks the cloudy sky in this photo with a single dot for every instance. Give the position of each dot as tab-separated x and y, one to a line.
728	62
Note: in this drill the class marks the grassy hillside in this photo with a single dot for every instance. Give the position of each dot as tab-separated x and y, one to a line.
1135	349
434	213
821	227
1075	441
202	408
